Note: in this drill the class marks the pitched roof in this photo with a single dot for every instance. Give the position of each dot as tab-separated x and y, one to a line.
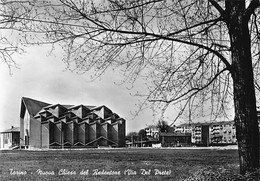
174	134
33	106
54	105
77	106
100	107
13	129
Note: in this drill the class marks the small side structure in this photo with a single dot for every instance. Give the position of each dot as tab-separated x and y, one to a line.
170	139
142	143
45	125
10	138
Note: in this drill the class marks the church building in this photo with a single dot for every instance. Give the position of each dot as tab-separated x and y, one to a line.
44	125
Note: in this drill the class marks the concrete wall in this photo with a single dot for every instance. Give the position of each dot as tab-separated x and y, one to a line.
45	137
82	133
22	134
24	129
93	133
35	133
121	133
104	132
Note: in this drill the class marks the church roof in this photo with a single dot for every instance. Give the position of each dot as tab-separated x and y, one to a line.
34	106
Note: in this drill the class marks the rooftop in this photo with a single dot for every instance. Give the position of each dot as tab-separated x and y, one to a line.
175	134
12	129
207	124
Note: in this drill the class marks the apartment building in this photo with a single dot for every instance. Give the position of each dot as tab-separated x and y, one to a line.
210	133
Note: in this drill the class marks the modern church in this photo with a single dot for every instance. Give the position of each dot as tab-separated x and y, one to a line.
54	126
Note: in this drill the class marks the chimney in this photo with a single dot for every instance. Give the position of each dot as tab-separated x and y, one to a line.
12	127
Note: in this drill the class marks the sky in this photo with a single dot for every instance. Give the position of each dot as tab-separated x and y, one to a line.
45	78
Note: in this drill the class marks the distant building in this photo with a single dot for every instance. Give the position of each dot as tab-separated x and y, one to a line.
210	133
175	139
152	131
46	125
196	132
10	138
143	143
223	132
183	128
258	116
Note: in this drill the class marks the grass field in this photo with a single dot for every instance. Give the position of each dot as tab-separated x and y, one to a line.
113	164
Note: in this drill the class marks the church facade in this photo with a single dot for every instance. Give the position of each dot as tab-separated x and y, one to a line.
44	125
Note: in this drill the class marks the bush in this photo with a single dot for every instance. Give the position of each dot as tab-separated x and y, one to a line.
221	174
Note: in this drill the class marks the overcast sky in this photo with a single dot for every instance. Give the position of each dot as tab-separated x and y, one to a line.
44	78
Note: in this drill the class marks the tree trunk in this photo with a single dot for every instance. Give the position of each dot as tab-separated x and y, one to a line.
247	131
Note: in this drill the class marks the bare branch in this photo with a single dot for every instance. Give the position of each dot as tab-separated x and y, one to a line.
217	6
254	4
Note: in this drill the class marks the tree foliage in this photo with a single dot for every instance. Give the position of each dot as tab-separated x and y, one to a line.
163	126
142	135
132	134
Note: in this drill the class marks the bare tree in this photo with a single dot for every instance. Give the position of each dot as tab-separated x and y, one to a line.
163	126
142	135
197	54
7	48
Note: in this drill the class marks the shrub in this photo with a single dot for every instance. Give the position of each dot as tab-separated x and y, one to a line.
221	174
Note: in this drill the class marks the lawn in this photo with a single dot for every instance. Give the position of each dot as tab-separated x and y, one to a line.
114	164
